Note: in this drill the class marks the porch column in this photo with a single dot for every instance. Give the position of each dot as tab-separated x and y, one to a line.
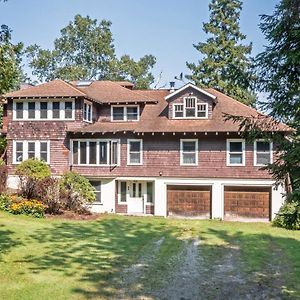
217	202
160	198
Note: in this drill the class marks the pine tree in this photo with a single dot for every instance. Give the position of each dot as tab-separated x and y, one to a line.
225	65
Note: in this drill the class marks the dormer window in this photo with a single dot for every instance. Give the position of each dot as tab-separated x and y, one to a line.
125	113
190	109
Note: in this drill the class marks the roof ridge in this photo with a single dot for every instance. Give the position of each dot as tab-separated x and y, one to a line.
71	86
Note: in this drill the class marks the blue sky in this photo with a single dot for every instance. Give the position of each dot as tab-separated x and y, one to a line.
164	28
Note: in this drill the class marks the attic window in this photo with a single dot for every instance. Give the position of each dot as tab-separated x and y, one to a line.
191	108
125	113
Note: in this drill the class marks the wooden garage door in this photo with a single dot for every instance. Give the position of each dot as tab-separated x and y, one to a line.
189	200
249	202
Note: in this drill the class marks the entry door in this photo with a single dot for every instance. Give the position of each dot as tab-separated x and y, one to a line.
136	199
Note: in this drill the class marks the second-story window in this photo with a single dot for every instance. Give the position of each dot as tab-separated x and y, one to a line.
55	110
31	110
95	152
235	152
190	107
134	156
19	110
44	110
87	112
262	152
125	113
189	152
68	110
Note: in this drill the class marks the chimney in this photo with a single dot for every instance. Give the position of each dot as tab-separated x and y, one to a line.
172	86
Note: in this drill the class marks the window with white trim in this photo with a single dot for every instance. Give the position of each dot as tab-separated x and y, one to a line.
97	186
262	152
178	110
189	152
95	152
87	111
125	113
135	152
235	152
23	150
42	110
191	108
150	192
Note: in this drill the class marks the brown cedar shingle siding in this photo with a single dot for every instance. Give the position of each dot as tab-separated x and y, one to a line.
161	154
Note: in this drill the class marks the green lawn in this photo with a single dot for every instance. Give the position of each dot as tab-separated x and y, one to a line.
133	257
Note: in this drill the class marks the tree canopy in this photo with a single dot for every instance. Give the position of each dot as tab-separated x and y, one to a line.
225	63
85	50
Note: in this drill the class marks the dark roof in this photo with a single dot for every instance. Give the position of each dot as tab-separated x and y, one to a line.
153	118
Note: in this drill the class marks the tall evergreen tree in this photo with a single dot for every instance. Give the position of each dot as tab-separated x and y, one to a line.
225	64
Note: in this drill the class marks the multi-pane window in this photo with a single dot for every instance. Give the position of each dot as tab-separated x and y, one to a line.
123	191
235	152
97	187
68	110
150	192
202	110
95	152
178	110
87	112
19	110
31	110
55	110
134	152
125	113
262	153
23	150
188	152
44	110
190	108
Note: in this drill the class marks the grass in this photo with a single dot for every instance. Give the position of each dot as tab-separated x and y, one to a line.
48	259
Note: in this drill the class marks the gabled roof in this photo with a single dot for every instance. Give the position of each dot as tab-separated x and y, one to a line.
190	85
55	88
154	117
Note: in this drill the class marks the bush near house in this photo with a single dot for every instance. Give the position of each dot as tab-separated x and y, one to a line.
31	172
76	192
3	176
288	216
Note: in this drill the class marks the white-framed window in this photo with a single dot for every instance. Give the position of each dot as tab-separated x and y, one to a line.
87	112
150	198
134	152
189	152
95	152
178	110
235	152
122	192
23	150
125	113
97	186
43	110
191	108
263	151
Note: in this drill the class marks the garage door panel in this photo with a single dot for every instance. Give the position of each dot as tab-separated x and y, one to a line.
189	201
254	202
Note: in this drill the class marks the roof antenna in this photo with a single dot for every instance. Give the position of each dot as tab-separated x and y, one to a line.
180	77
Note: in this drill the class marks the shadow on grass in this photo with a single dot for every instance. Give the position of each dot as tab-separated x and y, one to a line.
96	251
6	241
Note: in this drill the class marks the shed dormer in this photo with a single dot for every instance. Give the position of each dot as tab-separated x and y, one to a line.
190	102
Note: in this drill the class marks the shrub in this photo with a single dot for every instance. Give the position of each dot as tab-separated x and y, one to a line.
3	176
30	172
47	190
5	202
76	191
288	216
33	208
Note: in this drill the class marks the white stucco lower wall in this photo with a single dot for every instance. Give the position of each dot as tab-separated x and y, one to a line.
217	193
107	204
